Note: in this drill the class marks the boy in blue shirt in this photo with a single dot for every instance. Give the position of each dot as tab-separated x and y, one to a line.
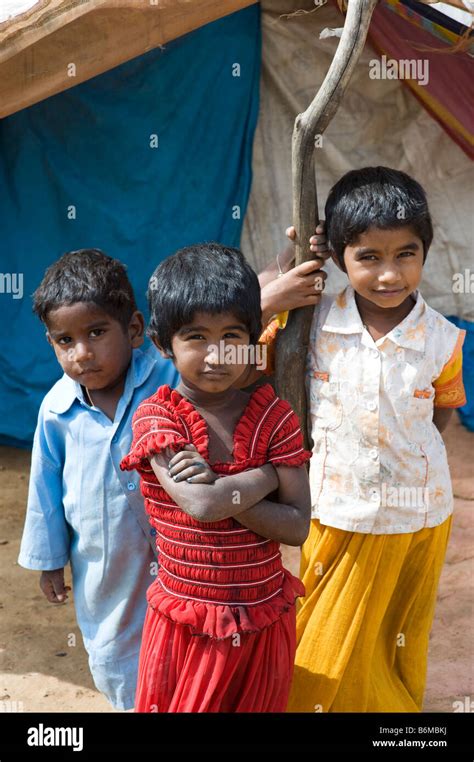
81	508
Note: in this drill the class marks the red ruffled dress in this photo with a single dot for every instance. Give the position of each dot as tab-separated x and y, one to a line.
219	634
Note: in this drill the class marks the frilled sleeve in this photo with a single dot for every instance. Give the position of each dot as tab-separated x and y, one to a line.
286	446
156	426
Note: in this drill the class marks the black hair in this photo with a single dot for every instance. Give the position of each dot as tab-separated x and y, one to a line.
86	275
376	197
205	277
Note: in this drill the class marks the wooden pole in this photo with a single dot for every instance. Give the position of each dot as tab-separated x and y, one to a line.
292	342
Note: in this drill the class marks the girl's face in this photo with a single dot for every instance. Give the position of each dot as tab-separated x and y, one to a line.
385	266
210	353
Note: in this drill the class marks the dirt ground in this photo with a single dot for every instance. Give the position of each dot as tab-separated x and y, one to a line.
43	664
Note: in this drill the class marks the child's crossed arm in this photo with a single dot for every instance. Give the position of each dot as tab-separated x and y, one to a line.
288	519
209	498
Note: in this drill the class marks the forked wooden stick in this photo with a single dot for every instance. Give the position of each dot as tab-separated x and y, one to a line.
292	342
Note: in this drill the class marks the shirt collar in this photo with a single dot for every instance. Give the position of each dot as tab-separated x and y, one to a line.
66	391
344	317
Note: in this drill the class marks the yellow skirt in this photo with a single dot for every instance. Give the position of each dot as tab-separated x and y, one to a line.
363	626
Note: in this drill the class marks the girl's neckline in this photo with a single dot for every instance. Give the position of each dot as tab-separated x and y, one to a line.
240	422
414	298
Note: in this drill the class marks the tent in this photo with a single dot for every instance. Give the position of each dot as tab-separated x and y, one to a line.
104	164
132	125
39	44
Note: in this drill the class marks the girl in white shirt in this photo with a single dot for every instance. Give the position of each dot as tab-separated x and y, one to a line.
384	374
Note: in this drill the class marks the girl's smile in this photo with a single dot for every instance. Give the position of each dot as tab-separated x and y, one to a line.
389	292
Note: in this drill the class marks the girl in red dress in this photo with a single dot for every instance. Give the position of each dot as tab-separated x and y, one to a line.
224	480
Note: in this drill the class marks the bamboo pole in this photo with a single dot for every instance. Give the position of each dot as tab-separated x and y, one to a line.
292	342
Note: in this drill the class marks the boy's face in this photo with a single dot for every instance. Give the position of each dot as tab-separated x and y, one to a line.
385	266
202	360
91	347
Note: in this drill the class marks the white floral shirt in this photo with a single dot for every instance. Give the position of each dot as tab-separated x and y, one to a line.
379	463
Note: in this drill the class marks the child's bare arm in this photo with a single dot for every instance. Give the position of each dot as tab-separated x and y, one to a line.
53	587
220	499
288	519
299	287
441	417
318	245
286	260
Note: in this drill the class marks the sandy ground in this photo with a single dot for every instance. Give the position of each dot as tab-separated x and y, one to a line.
43	662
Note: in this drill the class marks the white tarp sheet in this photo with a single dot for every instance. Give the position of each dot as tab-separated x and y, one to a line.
11	8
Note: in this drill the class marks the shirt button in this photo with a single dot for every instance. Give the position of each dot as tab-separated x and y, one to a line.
131	486
374	454
371	406
375	352
374	495
153	532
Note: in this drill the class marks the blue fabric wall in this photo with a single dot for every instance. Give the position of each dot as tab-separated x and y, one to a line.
89	147
466	412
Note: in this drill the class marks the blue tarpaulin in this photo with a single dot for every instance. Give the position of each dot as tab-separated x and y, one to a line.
151	156
466	412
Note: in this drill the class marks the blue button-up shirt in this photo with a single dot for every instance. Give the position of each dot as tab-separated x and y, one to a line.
84	510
